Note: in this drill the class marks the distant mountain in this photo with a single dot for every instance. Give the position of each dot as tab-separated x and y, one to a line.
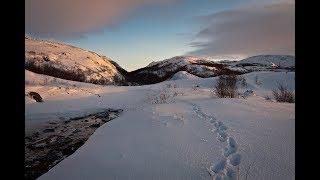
265	62
162	70
76	64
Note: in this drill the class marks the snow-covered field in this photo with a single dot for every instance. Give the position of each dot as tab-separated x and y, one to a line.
176	129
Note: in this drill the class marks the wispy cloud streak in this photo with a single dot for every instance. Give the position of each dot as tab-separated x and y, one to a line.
250	30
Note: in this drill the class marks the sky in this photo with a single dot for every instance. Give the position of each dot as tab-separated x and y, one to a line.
136	32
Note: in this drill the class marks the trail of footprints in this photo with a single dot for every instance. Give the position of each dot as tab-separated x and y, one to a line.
228	167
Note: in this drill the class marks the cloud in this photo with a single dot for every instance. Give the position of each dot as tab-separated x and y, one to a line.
77	17
246	31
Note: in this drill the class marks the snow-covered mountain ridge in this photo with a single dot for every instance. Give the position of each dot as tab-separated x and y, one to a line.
72	63
265	62
202	67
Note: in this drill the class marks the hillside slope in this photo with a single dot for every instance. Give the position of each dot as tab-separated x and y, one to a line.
71	63
160	71
265	63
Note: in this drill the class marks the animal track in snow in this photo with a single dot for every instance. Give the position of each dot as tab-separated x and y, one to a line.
222	136
222	128
224	169
217	124
235	159
203	139
212	120
220	166
231	148
231	174
219	177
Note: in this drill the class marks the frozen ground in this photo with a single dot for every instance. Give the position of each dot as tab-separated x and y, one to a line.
174	130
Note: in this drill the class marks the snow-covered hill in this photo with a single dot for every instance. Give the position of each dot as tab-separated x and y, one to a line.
265	62
162	70
69	62
183	75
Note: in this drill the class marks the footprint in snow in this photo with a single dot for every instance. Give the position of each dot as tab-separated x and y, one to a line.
201	116
235	159
222	136
221	170
219	177
219	166
204	140
231	174
222	128
212	120
217	124
231	148
232	143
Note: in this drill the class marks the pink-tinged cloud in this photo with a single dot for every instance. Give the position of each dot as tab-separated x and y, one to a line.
246	31
77	17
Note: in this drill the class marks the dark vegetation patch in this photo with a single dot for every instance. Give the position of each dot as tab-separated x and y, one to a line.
50	70
249	64
226	86
148	75
36	96
283	94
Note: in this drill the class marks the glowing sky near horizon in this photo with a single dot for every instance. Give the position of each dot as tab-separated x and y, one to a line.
137	32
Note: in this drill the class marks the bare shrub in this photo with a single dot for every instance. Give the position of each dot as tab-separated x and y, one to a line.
243	81
98	81
247	93
283	94
180	117
226	86
162	98
175	86
165	95
257	81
